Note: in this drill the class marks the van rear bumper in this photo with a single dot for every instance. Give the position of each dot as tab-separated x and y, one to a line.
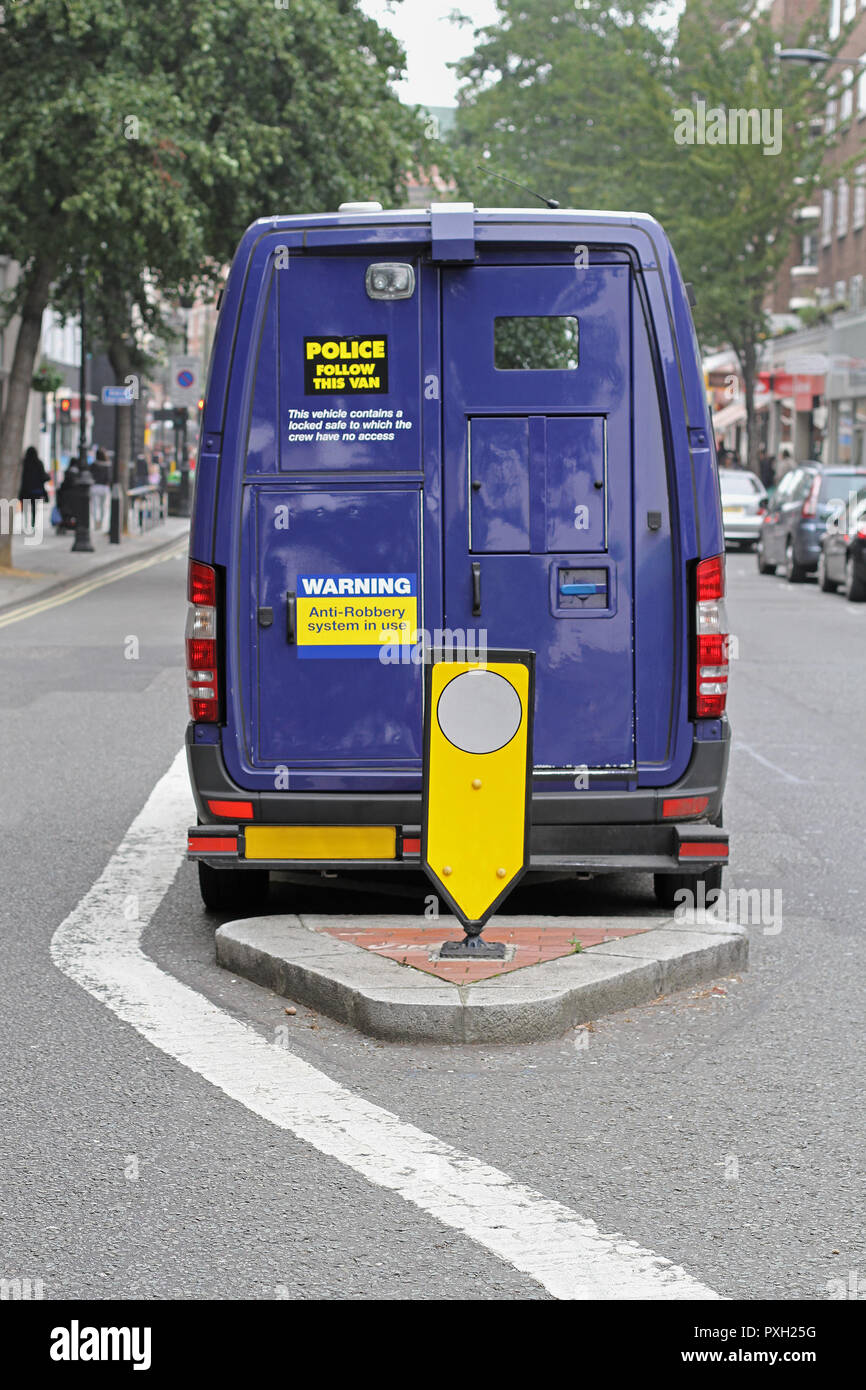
684	847
595	831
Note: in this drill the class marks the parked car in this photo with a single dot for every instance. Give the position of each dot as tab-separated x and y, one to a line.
843	550
794	525
744	502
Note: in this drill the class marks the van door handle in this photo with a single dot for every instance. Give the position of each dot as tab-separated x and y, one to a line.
476	588
291	618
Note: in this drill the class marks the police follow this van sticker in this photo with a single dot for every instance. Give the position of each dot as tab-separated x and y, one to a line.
346	615
352	364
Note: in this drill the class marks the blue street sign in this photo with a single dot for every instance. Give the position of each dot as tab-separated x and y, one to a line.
117	395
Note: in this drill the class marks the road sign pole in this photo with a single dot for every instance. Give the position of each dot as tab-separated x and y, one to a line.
114	516
81	490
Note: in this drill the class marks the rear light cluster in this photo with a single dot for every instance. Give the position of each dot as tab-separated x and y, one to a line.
810	506
231	810
711	684
678	806
202	685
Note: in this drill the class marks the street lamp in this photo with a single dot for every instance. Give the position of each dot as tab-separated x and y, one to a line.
814	55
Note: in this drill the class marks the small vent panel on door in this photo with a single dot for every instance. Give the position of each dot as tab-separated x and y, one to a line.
499	483
576	488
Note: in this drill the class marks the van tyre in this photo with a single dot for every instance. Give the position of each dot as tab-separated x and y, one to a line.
855	589
668	885
826	585
244	891
764	567
795	573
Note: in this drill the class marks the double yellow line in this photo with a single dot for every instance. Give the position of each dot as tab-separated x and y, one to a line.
86	586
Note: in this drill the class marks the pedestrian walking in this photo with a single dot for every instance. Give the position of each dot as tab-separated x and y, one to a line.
101	490
64	515
32	489
766	466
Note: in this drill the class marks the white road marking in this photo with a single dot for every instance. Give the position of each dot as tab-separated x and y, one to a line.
98	581
765	762
101	950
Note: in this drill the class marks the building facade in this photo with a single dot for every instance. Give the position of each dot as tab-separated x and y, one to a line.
812	391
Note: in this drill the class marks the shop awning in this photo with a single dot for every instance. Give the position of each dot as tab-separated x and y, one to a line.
729	415
800	387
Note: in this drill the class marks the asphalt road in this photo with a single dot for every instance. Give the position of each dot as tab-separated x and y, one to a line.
721	1130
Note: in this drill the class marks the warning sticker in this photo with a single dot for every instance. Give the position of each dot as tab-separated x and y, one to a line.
346	615
345	364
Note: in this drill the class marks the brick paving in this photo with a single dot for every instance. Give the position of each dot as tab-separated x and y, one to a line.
415	945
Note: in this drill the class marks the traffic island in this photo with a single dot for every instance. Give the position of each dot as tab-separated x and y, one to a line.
385	976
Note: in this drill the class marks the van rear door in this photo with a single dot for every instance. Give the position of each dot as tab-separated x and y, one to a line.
539	517
330	551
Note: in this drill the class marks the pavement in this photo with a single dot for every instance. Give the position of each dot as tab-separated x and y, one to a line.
40	565
719	1126
384	976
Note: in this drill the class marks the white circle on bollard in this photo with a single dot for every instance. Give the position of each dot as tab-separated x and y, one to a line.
479	712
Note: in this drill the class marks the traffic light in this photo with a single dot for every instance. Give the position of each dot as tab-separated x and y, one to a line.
65	409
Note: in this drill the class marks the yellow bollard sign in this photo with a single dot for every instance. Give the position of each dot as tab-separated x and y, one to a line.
477	771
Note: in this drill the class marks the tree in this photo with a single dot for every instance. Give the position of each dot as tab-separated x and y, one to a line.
591	105
137	142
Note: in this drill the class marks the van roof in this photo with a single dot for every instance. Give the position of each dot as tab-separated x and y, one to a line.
421	216
455	229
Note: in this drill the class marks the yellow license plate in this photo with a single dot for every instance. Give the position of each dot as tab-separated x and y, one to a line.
733	511
321	842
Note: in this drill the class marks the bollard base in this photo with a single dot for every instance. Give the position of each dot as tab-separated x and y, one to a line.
472	948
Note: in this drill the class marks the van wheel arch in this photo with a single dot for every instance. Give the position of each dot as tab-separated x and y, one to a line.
666	886
227	890
825	583
855	589
764	566
795	573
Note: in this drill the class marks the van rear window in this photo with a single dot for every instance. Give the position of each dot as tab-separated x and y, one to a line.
535	344
838	487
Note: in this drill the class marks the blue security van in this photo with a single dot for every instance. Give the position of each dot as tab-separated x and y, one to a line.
483	428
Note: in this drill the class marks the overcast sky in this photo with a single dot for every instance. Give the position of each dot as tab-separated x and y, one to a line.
430	41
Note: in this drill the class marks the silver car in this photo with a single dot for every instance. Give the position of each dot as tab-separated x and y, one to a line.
744	502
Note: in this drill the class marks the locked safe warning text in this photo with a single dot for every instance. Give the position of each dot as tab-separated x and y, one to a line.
351	364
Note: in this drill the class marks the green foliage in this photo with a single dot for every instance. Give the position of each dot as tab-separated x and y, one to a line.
583	103
47	379
812	314
535	344
138	141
